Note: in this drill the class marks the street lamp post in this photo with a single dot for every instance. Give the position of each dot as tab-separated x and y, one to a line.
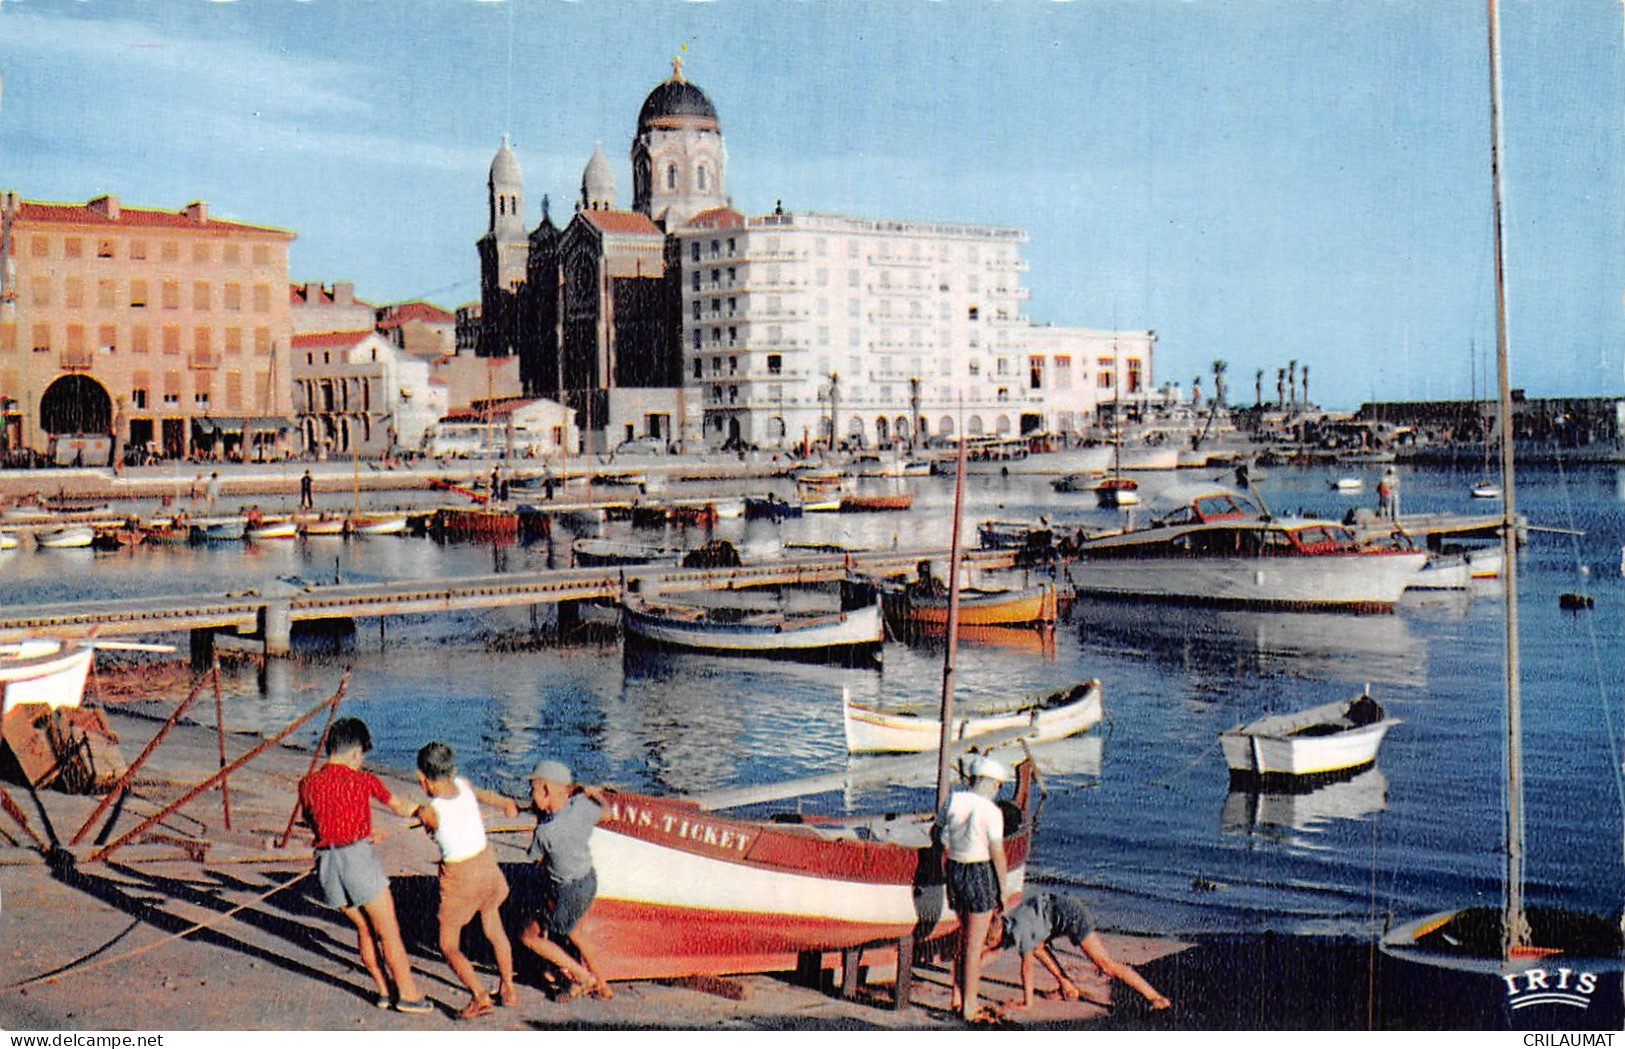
913	411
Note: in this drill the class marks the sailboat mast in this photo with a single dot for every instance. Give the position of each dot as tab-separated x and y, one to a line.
947	711
1515	931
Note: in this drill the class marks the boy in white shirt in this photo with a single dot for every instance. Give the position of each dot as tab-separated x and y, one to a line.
972	833
470	881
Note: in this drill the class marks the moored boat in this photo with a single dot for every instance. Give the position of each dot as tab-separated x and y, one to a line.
1486	490
1076	482
913	606
1013	535
865	502
1221	548
595	552
67	537
8	541
1335	737
377	524
44	670
683	891
269	529
225	531
320	524
1346	484
851	634
1060	714
1117	491
769	507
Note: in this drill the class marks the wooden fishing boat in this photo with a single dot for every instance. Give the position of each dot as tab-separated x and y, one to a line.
229	530
821	503
1117	491
1486	490
8	541
769	507
1060	714
630	478
698	515
320	525
165	531
1076	482
44	670
67	537
861	502
1221	548
377	524
595	552
1335	737
453	522
1346	484
268	530
683	891
117	537
912	607
851	635
1013	535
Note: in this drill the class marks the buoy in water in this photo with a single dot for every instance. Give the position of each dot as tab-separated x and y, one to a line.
1574	602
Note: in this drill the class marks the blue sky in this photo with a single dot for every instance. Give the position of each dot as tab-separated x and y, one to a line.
1255	180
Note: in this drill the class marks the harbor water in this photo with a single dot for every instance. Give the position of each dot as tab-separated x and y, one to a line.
1139	815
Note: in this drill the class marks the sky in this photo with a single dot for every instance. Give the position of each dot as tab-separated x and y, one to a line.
1257	181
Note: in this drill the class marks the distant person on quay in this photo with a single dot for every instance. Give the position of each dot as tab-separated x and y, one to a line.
337	801
307	491
471	883
1042	917
567	813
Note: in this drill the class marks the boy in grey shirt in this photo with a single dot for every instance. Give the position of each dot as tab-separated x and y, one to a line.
567	813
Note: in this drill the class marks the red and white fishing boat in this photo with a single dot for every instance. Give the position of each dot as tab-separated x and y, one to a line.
683	891
1222	549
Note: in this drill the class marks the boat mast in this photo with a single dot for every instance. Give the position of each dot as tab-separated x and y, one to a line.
947	712
1515	929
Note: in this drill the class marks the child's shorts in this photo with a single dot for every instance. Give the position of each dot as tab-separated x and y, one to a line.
970	887
469	886
569	904
350	874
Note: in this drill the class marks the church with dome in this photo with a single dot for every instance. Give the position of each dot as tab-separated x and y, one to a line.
684	320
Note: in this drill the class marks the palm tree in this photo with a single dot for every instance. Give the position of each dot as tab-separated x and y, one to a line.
834	404
1292	382
1196	392
1305	380
1219	368
1280	387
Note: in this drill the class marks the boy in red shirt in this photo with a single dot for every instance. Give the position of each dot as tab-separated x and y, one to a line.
337	799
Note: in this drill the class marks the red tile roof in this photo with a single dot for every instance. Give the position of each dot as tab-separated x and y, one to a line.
718	218
402	312
493	410
621	221
319	340
81	214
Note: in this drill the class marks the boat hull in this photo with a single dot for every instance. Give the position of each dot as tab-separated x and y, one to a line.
1287	746
1034	604
871	731
853	637
1351	582
44	671
684	892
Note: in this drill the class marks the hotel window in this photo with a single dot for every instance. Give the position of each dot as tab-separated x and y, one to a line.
775	364
172	295
733	335
731	243
1035	373
200	253
72	247
138	398
262	341
40	248
694	251
39	290
975	368
262	254
106	292
703	176
171	251
1063	373
172	387
972	314
107	338
234	391
733	305
234	295
698	338
73	295
104	248
138	339
696	280
200	295
262	298
76	340
671	176
716	247
699	366
201	344
138	250
172	340
8	337
42	338
716	307
138	294
1133	375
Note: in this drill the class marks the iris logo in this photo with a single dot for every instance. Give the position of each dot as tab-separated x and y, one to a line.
1541	987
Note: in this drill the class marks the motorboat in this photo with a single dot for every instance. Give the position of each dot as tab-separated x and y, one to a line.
1221	548
1117	491
1334	737
1055	716
851	634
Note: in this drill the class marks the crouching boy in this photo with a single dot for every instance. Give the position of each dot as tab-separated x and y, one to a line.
566	812
1043	916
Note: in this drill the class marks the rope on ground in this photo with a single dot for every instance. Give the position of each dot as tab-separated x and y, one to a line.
76	967
1167	781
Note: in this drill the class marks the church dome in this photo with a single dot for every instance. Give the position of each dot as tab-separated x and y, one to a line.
598	182
505	167
677	103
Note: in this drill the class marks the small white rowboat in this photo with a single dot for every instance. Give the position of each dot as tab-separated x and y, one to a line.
1331	738
1056	716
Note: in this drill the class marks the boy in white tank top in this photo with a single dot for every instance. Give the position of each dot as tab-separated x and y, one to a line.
470	881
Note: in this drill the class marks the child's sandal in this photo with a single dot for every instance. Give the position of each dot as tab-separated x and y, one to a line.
476	1007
